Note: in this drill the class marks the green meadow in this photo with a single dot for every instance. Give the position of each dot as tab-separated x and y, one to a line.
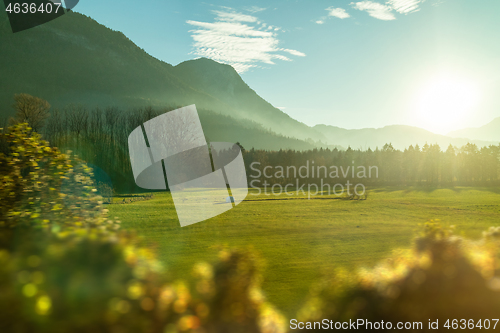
299	239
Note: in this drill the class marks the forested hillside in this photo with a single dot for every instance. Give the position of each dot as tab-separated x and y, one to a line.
74	59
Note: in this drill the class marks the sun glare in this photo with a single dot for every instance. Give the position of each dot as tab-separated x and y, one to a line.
445	103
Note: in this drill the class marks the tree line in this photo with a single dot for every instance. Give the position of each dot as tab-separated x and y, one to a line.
415	165
100	137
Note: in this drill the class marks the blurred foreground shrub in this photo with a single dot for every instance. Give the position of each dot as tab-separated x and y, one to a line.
65	267
82	283
443	277
40	186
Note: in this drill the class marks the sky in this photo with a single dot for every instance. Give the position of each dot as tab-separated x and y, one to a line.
434	64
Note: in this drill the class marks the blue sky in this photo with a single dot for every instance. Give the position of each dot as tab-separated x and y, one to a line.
353	64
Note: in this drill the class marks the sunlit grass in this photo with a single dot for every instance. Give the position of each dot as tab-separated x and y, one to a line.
301	239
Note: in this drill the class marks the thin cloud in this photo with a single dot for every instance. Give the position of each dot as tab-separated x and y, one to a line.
375	9
405	6
234	17
239	40
255	9
333	12
294	52
338	12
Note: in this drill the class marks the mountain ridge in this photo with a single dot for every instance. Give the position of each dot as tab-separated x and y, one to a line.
490	131
212	77
377	137
76	60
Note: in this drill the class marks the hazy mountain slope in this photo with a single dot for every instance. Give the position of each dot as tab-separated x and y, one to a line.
399	135
224	82
220	128
73	59
488	132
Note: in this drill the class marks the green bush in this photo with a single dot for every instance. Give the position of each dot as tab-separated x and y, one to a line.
41	186
65	267
443	277
231	290
74	281
77	283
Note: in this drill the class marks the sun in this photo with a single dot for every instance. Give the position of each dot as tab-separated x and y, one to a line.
445	102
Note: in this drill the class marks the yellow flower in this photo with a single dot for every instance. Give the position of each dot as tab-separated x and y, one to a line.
43	305
30	290
135	290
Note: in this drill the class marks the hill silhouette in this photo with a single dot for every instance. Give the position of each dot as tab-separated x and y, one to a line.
488	132
400	136
74	59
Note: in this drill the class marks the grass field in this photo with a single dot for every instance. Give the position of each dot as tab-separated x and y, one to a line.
302	239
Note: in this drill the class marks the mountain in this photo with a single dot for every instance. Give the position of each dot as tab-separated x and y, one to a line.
400	136
220	128
74	59
488	132
224	82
